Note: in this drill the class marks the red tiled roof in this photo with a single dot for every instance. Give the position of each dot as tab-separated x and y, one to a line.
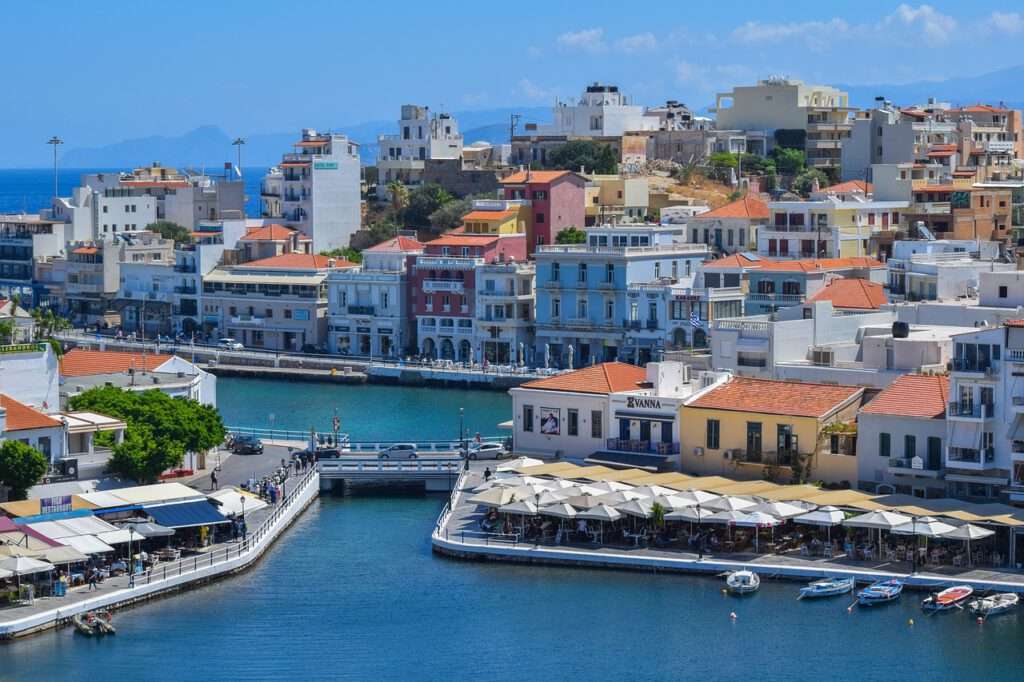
397	244
608	377
86	250
307	261
534	176
814	265
79	362
21	416
490	215
736	260
937	153
270	233
852	293
792	398
912	395
1014	323
747	207
449	239
982	109
850	186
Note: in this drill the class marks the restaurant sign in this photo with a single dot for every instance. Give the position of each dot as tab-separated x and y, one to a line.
643	403
325	165
54	505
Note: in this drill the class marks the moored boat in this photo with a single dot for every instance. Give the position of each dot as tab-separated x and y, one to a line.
994	604
94	623
827	587
949	598
743	582
880	592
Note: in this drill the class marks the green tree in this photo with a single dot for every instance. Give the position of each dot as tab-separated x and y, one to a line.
171	230
6	331
21	467
449	216
803	182
571	235
788	161
399	194
142	456
593	157
348	253
423	201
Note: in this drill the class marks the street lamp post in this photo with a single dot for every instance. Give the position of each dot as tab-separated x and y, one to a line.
239	141
462	438
245	529
131	558
700	536
55	141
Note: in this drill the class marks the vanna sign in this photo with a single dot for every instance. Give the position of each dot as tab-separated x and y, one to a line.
643	403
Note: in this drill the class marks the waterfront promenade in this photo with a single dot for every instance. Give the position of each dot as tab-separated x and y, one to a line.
457	533
211	563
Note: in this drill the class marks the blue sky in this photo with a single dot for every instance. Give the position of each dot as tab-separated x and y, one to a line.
102	72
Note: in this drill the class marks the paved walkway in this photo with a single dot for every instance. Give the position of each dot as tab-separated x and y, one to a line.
460	531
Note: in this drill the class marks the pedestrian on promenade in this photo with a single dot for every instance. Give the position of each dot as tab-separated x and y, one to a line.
487	474
213	480
92	580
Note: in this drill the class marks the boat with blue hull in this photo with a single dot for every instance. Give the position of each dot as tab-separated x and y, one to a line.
881	592
827	587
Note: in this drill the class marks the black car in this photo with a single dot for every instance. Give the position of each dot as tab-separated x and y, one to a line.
247	445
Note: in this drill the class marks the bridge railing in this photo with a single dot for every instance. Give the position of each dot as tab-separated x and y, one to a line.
419	465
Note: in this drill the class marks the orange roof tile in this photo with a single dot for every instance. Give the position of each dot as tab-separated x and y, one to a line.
307	261
912	395
792	398
294	164
1014	323
608	377
534	176
269	233
397	244
821	264
490	215
746	207
86	250
850	186
736	260
79	362
982	109
21	417
852	293
449	239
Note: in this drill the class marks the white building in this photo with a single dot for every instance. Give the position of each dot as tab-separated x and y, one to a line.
601	111
503	333
922	270
83	369
320	193
421	138
29	374
888	135
368	312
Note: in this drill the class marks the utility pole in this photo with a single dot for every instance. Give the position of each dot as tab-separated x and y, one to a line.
237	144
54	141
513	121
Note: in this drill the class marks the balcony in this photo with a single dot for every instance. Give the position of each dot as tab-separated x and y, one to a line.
188	291
631	324
931	207
998	146
449	285
1015	354
912	466
970	457
989	369
186	268
644	446
963	410
652	324
781	458
783	299
247	320
361	310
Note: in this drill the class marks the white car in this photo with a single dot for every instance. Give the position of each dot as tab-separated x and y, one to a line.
487	451
229	344
398	451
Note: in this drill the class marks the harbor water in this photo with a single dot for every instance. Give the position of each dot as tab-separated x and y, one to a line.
352	591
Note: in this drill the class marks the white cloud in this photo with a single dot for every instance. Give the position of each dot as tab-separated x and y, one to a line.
533	91
587	40
1010	23
707	79
937	28
813	33
641	42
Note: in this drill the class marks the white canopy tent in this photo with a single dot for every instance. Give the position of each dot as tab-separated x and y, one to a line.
87	544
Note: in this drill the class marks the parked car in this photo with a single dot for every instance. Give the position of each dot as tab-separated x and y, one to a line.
229	344
487	451
243	444
313	349
399	451
319	453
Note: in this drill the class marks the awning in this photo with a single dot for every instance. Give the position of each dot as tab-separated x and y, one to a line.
649	416
967	436
87	544
230	501
627	459
186	514
119	537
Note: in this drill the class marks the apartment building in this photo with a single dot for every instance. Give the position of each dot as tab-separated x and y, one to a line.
816	117
271	193
442	290
556	199
99	214
830	227
320	189
504	327
777	284
928	270
991	140
192	262
613	199
731	228
276	303
421	137
960	210
498	216
368	307
23	240
890	135
584	310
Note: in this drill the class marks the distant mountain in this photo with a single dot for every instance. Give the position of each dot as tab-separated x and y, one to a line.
208	146
1004	85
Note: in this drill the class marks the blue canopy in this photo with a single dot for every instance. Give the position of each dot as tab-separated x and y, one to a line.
54	516
185	514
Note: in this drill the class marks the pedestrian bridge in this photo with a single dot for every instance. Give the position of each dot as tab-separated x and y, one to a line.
436	472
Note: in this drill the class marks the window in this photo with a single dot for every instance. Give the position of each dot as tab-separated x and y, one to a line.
582	272
609	273
1002	291
287	313
556	308
527	417
675	269
539	219
596	427
711	435
609	309
556	272
657	269
383	299
884	445
743	236
909	446
634	312
833	444
574	422
652	311
581	309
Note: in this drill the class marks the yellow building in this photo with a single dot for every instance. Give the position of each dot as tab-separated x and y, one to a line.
613	199
497	216
762	429
827	228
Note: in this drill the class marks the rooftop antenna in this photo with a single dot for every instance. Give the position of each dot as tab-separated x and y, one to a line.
513	121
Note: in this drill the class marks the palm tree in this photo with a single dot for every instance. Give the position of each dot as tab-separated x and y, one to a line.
399	195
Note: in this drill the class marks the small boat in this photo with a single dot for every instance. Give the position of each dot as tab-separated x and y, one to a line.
827	587
83	625
742	582
880	592
104	623
94	623
949	598
994	604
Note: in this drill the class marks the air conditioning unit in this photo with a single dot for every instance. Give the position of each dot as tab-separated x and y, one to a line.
991	371
727	454
698	452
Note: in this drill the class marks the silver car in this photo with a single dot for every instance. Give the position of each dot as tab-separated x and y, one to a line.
398	451
487	451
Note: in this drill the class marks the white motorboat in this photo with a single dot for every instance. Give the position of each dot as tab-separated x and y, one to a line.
949	598
742	582
994	604
827	587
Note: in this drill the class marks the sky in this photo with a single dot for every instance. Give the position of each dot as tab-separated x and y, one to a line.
100	72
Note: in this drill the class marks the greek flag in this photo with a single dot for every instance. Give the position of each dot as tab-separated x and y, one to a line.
694	319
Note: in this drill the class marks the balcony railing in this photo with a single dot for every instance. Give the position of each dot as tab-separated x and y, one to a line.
782	458
777	298
973	410
966	365
652	324
1015	354
912	463
631	324
971	455
645	446
361	310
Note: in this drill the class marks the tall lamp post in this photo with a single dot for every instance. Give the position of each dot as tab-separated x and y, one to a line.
237	144
54	142
700	535
131	558
245	528
462	439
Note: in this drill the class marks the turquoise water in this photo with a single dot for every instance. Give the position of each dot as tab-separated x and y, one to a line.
367	412
353	592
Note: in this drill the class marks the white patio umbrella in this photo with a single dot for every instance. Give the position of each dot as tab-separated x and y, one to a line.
881	520
926	526
64	554
23	565
528	492
781	510
691	514
642	508
584	501
698	496
728	516
561	484
495	497
550	497
561	510
673	502
653	490
518	463
823	516
967	532
601	512
522	507
610	486
617	498
758	520
17	550
4	573
729	503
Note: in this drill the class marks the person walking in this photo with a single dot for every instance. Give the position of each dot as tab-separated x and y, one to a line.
213	480
92	579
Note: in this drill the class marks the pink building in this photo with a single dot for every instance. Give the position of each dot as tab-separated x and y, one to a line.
442	289
557	200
